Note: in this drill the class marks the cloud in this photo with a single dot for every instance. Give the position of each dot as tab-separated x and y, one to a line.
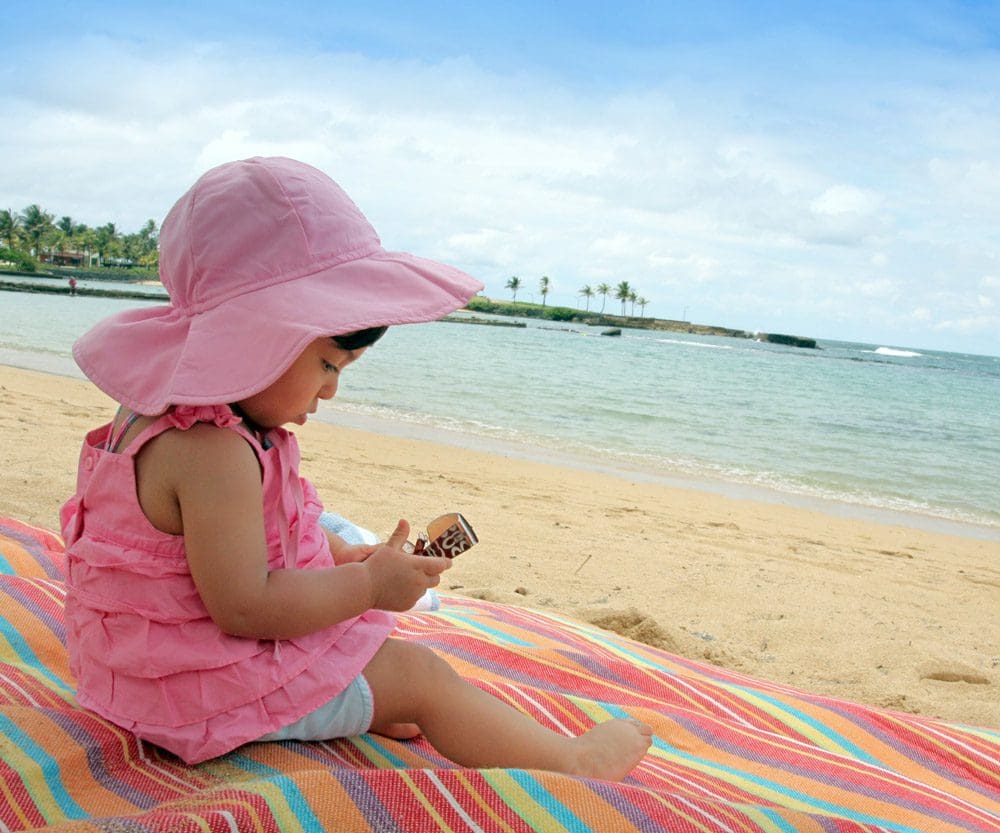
877	288
838	200
973	325
845	215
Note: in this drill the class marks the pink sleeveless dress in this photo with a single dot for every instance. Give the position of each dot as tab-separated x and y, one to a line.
145	652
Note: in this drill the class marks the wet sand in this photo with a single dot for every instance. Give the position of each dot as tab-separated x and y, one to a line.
893	615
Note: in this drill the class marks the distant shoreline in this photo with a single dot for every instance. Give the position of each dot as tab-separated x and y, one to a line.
477	304
601	319
63	288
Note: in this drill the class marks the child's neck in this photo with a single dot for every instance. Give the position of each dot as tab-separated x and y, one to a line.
258	431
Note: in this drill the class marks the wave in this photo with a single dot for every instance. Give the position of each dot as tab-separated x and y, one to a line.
891	351
692	343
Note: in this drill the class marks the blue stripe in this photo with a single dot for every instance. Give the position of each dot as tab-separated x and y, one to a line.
289	789
498	635
49	768
555	808
776	819
839	740
6	568
27	656
622	648
367	740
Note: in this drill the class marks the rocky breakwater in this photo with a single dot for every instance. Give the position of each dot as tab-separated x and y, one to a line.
791	341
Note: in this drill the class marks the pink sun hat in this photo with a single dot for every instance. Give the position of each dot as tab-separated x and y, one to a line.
260	258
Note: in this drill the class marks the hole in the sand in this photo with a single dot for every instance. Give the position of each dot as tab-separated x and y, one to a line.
633	624
956	677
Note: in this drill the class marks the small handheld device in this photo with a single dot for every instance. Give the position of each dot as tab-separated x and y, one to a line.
447	536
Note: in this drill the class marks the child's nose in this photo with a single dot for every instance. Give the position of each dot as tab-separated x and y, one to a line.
328	390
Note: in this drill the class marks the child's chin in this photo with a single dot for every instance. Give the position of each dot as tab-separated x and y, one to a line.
301	419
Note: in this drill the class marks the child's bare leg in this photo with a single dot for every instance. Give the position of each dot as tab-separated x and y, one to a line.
472	728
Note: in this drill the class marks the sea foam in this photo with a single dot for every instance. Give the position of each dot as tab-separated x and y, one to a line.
890	351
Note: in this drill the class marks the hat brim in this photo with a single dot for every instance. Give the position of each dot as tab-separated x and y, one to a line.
151	358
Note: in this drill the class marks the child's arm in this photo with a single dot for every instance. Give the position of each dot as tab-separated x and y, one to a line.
214	477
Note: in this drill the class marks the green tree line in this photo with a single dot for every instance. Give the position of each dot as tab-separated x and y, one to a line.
623	292
35	235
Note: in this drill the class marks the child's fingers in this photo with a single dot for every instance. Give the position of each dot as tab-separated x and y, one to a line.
434	566
363	551
398	538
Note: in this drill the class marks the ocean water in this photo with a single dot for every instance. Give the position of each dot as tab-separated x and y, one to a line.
866	428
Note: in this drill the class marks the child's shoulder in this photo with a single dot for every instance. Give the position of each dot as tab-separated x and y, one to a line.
202	453
204	438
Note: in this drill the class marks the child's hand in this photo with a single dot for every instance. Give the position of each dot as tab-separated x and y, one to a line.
349	553
396	578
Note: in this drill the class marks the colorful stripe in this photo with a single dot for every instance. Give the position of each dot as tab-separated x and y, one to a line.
732	754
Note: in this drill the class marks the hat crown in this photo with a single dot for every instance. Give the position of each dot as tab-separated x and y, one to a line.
247	225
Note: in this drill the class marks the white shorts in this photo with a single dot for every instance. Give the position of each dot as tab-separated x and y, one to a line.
348	714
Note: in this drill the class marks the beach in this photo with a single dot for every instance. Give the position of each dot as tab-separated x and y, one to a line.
896	616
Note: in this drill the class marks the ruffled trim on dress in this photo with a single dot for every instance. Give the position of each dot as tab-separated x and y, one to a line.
184	416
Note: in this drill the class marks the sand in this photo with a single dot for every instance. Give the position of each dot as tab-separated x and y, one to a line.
894	616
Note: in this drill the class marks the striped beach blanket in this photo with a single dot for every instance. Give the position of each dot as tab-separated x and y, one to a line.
731	753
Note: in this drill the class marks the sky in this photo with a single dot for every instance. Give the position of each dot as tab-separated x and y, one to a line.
829	170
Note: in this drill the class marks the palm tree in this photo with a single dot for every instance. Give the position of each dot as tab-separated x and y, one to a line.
632	299
36	224
543	287
106	237
64	234
642	306
587	293
86	240
513	285
140	247
149	235
603	289
621	294
9	228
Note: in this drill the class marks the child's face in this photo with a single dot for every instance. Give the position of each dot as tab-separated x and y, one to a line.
296	393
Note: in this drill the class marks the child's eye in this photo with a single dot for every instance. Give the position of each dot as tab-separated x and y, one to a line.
330	368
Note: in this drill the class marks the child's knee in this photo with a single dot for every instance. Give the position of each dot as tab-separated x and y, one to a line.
406	679
409	664
423	663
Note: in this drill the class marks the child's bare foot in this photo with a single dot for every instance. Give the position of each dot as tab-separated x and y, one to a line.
610	750
397	731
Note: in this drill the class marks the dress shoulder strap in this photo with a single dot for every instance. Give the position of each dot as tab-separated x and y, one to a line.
183	417
115	435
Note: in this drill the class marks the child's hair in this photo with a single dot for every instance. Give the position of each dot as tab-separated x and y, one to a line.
260	257
360	338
